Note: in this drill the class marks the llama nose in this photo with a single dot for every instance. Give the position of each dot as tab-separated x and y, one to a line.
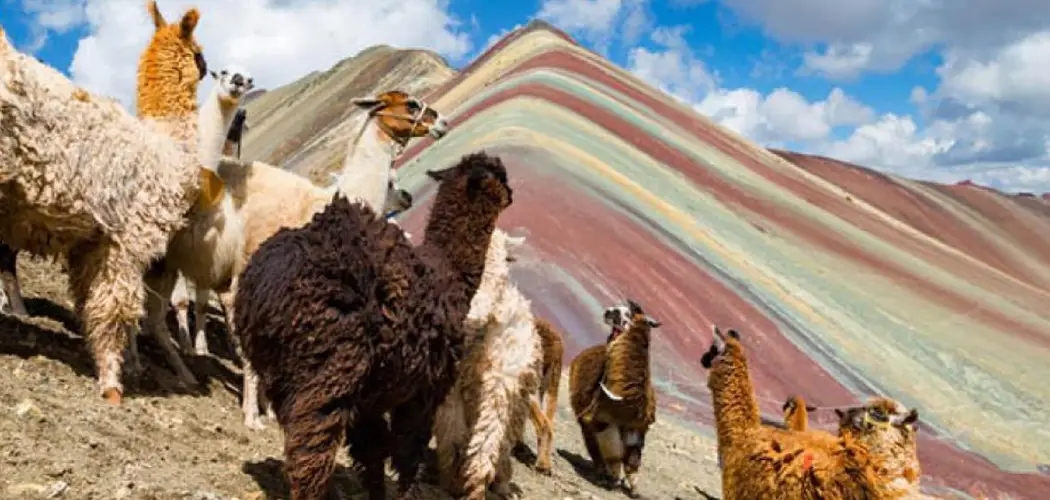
237	80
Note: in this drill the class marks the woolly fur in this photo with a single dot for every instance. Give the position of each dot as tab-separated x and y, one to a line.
766	462
484	414
614	430
82	179
347	321
550	382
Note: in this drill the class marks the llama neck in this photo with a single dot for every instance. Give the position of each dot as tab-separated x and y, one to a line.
168	102
213	125
461	232
736	412
627	368
366	169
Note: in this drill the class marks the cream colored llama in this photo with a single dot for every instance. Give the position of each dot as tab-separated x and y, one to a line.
269	198
82	179
484	415
205	251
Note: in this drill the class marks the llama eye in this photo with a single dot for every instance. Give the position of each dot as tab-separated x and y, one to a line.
879	415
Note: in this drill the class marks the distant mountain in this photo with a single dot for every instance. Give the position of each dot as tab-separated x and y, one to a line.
845	281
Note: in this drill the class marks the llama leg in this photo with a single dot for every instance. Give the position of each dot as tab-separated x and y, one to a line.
515	428
369	446
610	443
108	289
450	435
634	441
9	277
544	437
487	435
311	440
414	422
200	321
590	441
180	300
160	281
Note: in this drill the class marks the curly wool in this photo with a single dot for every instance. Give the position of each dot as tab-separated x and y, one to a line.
484	414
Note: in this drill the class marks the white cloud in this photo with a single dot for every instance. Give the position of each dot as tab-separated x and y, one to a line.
598	21
277	41
779	117
1014	77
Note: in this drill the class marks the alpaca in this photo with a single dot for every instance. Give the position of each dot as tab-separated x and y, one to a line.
612	394
82	179
484	414
550	381
272	198
180	295
345	321
767	462
890	432
206	250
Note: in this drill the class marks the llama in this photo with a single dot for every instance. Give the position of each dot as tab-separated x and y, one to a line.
767	462
84	180
550	381
180	296
272	198
484	414
890	432
345	321
206	250
11	292
612	394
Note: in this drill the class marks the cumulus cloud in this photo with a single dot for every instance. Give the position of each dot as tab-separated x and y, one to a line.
778	117
598	21
277	41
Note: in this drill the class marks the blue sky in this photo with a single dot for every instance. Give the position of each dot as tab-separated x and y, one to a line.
935	90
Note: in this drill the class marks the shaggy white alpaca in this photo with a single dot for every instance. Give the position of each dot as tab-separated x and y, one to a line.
484	415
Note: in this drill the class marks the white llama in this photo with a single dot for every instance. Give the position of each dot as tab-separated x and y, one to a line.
484	415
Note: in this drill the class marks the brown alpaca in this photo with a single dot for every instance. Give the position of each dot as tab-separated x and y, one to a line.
890	432
550	382
766	462
611	393
345	321
796	413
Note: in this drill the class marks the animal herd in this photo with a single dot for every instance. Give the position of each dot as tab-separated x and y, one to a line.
347	332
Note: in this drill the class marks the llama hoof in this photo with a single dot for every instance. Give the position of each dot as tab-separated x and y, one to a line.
544	469
254	423
112	396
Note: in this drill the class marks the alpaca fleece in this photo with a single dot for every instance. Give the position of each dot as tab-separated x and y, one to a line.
550	382
484	414
345	321
82	179
766	462
614	430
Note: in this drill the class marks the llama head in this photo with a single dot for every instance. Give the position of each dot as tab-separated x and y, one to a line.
402	116
513	243
173	52
479	178
880	415
718	345
397	200
232	82
620	318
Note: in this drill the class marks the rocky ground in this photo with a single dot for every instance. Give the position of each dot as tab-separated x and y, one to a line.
58	439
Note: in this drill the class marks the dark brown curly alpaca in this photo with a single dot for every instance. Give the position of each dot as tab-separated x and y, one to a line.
345	321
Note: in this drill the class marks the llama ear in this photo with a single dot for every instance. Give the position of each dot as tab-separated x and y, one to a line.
634	307
653	322
189	22
811	408
214	75
366	102
515	241
440	175
909	419
733	334
709	357
158	18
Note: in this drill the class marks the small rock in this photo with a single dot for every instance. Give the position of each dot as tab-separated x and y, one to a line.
26	407
57	489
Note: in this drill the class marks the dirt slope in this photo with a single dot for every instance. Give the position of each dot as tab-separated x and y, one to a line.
59	440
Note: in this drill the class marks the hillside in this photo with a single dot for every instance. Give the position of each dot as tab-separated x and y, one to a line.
844	281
